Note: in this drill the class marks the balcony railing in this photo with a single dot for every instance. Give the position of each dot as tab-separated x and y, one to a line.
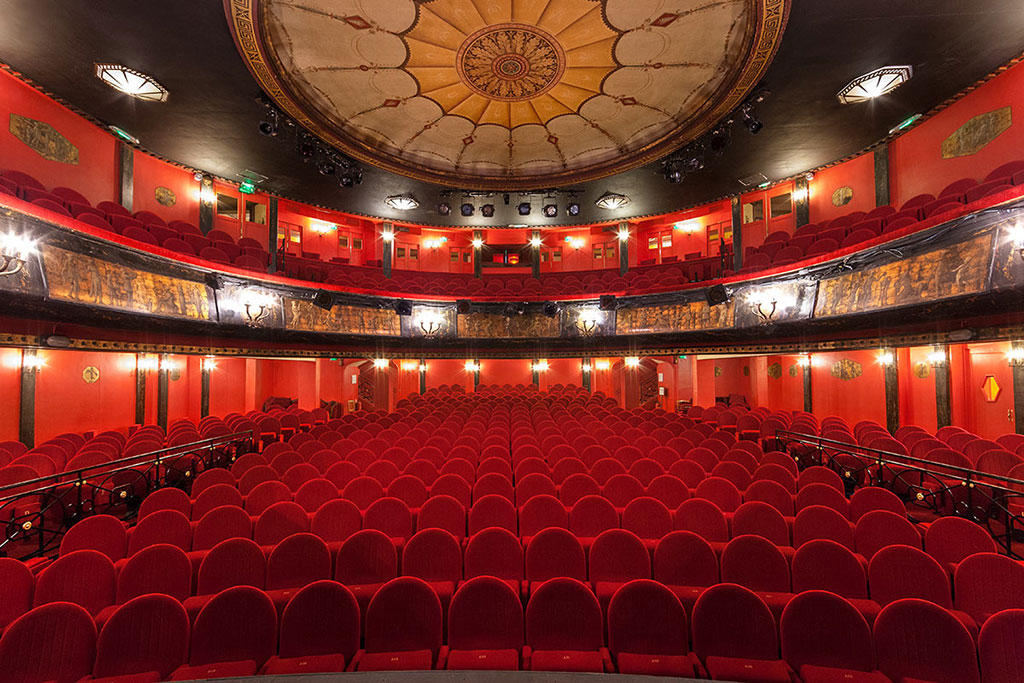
933	488
36	513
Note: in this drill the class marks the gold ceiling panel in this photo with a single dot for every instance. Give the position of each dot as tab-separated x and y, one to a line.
483	93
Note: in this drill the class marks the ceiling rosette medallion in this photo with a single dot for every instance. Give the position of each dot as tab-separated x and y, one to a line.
507	94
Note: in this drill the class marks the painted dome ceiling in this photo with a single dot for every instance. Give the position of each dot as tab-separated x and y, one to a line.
507	94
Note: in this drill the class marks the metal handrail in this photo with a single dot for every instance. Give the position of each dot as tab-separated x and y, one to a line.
881	457
148	458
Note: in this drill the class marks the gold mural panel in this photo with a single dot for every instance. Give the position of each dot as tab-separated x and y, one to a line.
775	370
956	270
87	280
492	325
847	369
303	315
977	132
44	139
165	196
695	315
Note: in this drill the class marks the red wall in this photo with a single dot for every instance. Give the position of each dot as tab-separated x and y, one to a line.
227	386
787	391
916	163
732	379
501	371
151	173
95	174
860	398
10	389
858	174
66	403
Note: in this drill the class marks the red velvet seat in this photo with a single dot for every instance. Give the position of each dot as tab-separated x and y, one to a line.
234	635
825	639
403	627
485	626
647	632
735	635
918	640
54	642
319	631
146	639
564	629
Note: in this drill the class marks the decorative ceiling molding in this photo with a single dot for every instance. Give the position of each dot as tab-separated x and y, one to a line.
504	95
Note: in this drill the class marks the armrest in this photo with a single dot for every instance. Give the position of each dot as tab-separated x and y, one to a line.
698	667
356	658
527	656
442	658
606	657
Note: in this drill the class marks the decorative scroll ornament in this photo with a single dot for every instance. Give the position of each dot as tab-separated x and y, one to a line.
44	139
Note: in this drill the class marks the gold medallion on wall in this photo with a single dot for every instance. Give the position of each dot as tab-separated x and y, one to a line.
842	196
165	196
90	374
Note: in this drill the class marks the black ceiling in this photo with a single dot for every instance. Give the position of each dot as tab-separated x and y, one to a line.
210	120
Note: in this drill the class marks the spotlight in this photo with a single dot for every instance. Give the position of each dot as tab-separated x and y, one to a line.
550	210
307	148
719	140
716	295
270	124
462	306
524	208
326	168
753	124
346	181
550	309
467	209
511	310
324	300
403	307
487	210
674	171
573	209
443	209
607	302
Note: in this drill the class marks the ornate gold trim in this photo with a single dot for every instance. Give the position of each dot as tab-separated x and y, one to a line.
772	16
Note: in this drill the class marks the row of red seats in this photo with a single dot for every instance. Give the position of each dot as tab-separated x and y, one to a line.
816	239
731	636
982	582
734	636
142	226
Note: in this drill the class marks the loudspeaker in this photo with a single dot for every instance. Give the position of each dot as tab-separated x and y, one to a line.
403	307
716	295
608	302
324	300
462	306
550	309
212	281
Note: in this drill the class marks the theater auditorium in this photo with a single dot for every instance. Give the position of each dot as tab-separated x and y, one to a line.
436	340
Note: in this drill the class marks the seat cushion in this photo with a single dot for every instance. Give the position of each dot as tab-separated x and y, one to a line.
214	670
748	670
810	673
410	660
566	660
495	660
316	664
656	665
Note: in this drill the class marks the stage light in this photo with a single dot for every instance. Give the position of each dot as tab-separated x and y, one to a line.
550	210
524	208
443	209
753	124
573	209
487	210
326	168
467	209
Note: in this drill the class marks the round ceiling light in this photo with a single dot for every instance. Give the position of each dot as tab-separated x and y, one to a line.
401	202
875	84
131	82
612	201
